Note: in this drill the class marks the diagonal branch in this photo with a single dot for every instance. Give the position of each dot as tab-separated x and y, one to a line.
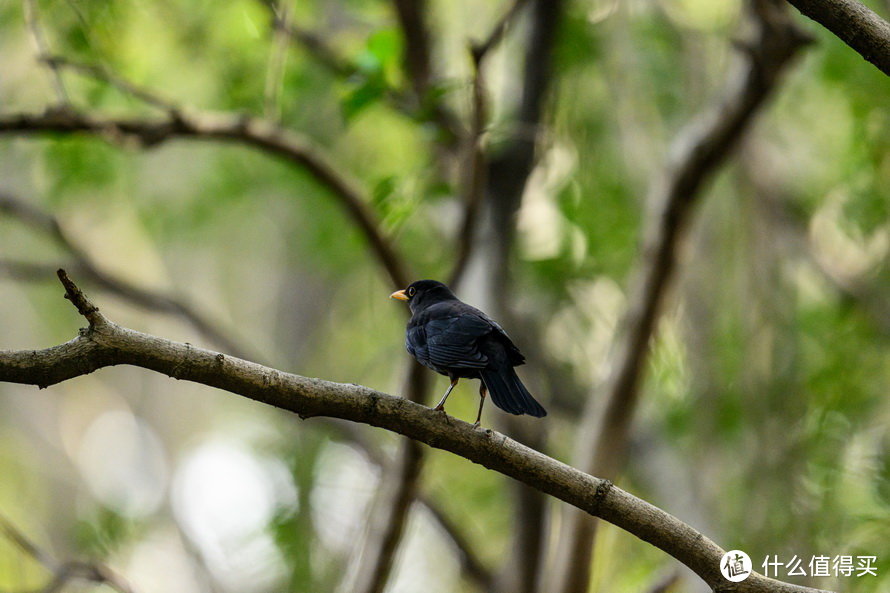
226	127
105	75
87	268
312	42
105	343
32	19
64	572
698	152
855	24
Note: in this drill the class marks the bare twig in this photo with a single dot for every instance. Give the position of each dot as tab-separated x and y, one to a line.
700	149
32	19
25	544
240	129
66	571
105	343
401	484
497	32
474	179
474	570
105	75
855	24
476	162
86	267
277	61
311	41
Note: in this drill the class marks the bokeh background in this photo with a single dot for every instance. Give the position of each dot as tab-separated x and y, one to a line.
763	418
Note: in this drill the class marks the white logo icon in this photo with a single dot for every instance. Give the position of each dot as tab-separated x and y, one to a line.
735	566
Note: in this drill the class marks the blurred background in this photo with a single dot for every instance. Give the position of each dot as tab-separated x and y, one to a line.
531	175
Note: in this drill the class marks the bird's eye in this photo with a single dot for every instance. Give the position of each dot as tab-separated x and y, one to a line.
411	291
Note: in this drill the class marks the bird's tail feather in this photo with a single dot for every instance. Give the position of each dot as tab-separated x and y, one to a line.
509	394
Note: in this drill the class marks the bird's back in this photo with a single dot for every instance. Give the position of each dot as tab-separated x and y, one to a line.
451	334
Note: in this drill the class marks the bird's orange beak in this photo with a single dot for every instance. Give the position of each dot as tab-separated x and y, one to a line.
399	295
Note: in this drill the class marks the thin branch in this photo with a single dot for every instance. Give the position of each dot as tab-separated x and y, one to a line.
276	68
239	129
105	75
65	571
474	570
314	43
475	177
401	485
32	19
699	151
23	543
855	24
494	37
476	162
105	343
86	267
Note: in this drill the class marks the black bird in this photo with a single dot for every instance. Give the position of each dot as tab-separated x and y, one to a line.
461	342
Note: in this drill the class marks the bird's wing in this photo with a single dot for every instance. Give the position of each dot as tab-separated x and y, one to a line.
449	342
453	341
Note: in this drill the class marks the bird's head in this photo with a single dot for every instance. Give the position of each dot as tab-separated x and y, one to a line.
423	293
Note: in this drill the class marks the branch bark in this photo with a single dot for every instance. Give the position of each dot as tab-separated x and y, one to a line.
238	129
855	24
105	343
698	152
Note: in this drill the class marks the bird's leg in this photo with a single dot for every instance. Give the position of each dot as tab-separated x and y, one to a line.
482	393
441	405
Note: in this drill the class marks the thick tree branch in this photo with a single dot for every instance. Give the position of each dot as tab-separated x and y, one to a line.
238	129
699	150
105	343
855	24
